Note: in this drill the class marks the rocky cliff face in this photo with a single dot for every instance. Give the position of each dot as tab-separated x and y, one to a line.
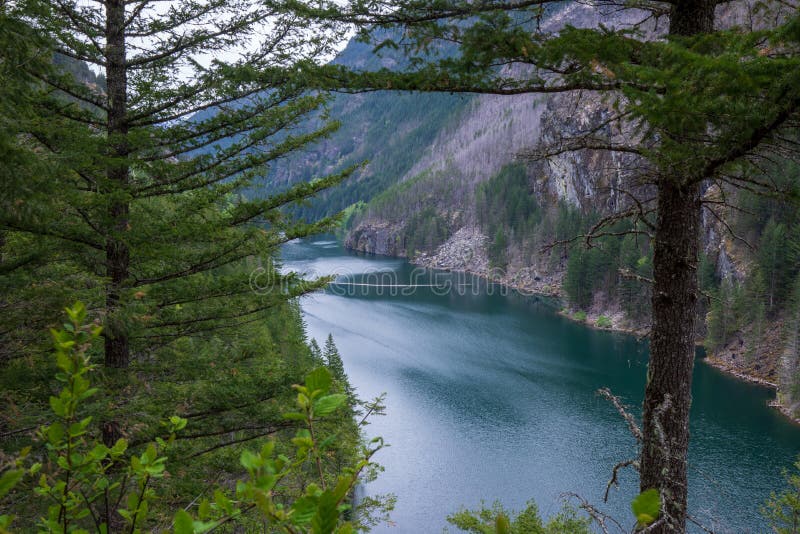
376	238
492	132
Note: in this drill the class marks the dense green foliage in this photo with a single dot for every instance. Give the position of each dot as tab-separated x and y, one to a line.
616	266
88	485
783	508
424	231
507	210
116	192
418	207
769	227
333	360
789	392
506	201
496	520
135	204
113	196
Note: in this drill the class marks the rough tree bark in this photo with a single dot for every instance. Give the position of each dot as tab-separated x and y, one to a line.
669	376
117	351
668	395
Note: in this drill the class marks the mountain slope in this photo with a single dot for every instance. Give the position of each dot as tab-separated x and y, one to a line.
449	186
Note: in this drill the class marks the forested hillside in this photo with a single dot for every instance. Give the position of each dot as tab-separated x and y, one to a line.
468	195
378	129
155	369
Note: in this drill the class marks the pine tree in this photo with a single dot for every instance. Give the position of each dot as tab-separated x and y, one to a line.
577	281
636	265
153	207
34	270
497	249
773	261
334	362
333	359
316	352
753	297
707	278
789	387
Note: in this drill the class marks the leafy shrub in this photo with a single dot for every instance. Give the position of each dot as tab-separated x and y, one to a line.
90	486
603	322
496	520
783	509
579	316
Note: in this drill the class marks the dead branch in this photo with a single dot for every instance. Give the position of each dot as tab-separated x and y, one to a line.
627	273
614	473
623	411
600	518
728	228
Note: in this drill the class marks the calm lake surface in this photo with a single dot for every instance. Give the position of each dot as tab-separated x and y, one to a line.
491	396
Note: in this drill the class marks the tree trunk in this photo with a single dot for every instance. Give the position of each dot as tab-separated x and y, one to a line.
117	351
692	17
669	375
668	395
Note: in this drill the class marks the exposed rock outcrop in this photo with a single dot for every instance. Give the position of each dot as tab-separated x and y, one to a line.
377	237
464	251
493	131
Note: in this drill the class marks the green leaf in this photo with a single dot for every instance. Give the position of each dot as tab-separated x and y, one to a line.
223	502
55	432
646	506
88	393
249	460
294	416
327	515
303	509
5	521
302	441
318	379
267	449
265	482
119	447
57	405
342	486
77	312
183	523
149	455
9	479
78	428
177	423
63	361
204	510
328	404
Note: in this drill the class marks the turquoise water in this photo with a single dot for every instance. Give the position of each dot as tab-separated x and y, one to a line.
491	395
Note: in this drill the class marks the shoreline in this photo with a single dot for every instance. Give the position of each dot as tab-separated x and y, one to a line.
728	369
550	287
590	320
